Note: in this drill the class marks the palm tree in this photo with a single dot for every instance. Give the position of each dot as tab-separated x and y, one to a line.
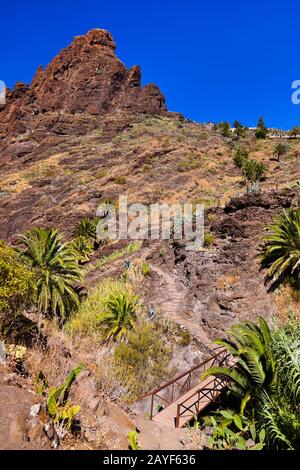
83	248
279	408
87	227
280	150
249	344
56	268
120	317
281	251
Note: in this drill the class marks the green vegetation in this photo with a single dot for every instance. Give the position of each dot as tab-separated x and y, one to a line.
87	228
280	254
60	409
83	248
119	317
209	239
17	287
56	268
146	269
120	180
240	157
223	128
254	171
133	440
129	249
138	364
231	430
85	322
145	354
250	345
266	380
280	150
262	131
240	130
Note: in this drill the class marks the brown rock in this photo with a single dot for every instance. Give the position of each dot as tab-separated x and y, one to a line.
85	77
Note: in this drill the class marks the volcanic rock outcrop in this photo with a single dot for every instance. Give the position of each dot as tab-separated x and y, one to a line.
84	78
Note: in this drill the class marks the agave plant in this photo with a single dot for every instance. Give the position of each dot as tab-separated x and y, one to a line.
249	344
281	251
120	316
56	268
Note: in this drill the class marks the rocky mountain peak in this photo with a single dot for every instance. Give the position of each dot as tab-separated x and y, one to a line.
84	78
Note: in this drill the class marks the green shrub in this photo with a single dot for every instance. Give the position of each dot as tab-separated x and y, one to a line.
240	157
265	380
17	286
60	409
145	268
209	239
120	180
254	171
127	250
184	337
224	128
85	322
146	354
231	430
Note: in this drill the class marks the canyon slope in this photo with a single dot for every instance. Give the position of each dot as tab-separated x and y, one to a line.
86	131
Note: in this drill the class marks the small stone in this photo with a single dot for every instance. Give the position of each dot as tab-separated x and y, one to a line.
93	403
101	411
2	352
49	430
35	409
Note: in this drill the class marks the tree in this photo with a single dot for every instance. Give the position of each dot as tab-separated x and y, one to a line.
120	316
280	254
17	286
249	344
279	407
280	150
240	130
266	379
57	270
83	248
262	131
224	128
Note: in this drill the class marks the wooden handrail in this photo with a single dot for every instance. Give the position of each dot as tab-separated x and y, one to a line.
178	377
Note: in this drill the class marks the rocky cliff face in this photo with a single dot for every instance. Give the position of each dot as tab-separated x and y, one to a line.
84	78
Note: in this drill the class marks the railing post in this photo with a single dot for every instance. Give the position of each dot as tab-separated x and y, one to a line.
152	402
177	417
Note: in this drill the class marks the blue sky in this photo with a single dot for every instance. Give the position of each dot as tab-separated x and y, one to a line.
213	60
